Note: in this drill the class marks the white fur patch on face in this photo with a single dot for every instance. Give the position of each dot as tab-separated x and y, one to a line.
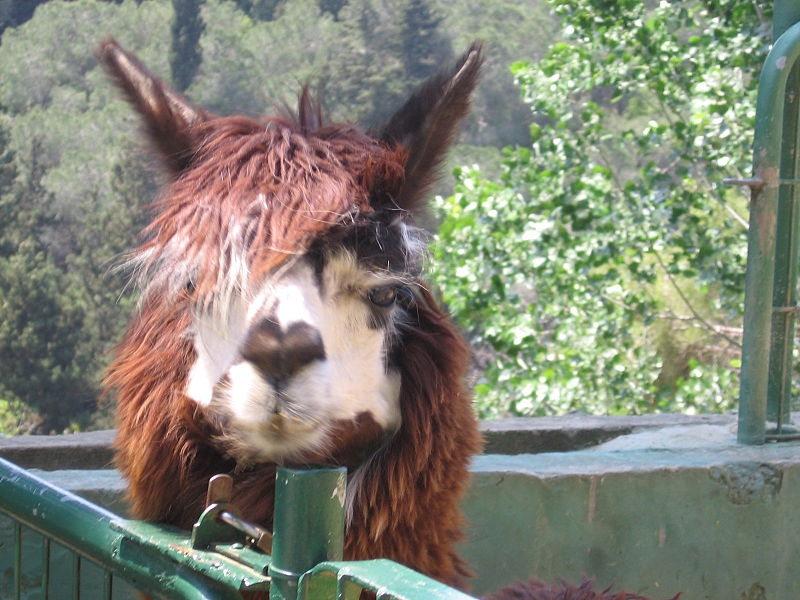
216	343
271	412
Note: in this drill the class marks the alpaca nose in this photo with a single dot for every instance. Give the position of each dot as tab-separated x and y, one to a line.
279	354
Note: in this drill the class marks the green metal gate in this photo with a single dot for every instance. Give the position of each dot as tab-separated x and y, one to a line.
55	545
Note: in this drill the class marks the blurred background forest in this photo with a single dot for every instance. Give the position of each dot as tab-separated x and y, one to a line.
581	237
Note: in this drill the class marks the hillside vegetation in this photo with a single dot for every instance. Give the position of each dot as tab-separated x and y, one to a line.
588	250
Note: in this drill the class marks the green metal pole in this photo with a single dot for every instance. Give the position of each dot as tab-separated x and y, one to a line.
786	13
760	277
308	527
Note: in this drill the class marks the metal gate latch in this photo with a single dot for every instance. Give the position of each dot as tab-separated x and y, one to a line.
221	522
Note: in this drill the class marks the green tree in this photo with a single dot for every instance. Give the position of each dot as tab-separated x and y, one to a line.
40	330
383	50
184	52
249	65
43	379
71	189
103	236
425	47
604	271
8	209
16	12
332	7
509	29
262	10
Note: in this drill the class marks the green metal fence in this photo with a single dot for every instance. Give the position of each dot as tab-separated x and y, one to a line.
772	259
54	545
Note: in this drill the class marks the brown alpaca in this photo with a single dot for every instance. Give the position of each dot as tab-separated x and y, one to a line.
294	203
283	320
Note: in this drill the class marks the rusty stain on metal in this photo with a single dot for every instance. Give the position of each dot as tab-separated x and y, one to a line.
769	175
786	309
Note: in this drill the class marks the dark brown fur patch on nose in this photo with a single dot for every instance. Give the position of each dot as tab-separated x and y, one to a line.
280	354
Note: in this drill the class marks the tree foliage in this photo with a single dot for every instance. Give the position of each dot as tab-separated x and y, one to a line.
604	271
565	270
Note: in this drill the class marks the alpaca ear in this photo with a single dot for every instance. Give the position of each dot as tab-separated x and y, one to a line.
427	123
170	120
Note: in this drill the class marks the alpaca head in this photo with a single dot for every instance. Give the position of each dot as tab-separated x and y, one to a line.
286	248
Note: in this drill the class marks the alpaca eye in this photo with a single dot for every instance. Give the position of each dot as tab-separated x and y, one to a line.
383	297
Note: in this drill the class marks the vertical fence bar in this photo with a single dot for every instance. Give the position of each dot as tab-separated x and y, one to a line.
45	568
76	576
308	524
108	582
17	560
757	317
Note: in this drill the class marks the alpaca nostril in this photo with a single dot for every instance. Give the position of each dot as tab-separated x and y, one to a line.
280	354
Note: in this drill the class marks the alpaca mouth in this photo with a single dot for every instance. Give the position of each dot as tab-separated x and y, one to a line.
278	423
282	423
277	438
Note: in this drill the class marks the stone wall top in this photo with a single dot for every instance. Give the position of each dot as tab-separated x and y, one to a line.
93	449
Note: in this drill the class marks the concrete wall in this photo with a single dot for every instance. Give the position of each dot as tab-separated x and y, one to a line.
659	505
710	519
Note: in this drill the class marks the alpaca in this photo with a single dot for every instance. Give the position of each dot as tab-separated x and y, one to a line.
283	319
